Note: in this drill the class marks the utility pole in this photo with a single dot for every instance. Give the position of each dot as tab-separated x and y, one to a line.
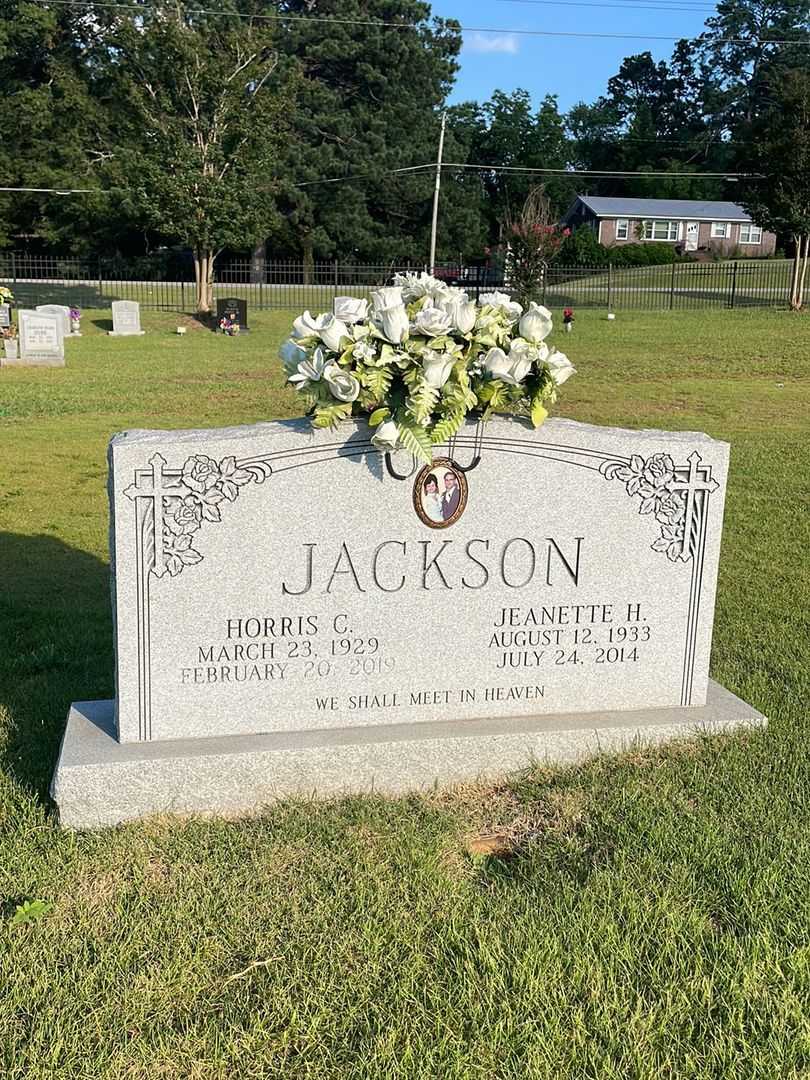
436	196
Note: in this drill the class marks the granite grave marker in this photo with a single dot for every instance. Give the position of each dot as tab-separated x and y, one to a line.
126	316
235	309
61	312
294	614
41	340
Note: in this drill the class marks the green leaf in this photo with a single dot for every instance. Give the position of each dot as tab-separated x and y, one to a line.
328	416
378	416
415	438
446	427
538	412
30	911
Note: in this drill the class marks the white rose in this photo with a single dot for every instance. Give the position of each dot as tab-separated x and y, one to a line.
386	437
432	321
511	369
381	299
333	332
393	322
560	367
292	355
536	323
437	367
342	384
350	310
309	370
307	325
461	311
504	302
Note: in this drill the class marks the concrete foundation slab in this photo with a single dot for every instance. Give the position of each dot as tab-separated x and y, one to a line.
99	781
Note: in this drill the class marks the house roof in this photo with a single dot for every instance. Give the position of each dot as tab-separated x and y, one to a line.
693	209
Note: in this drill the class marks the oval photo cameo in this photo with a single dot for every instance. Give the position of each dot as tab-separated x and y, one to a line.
440	493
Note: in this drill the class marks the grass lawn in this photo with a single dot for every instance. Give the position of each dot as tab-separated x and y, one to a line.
655	924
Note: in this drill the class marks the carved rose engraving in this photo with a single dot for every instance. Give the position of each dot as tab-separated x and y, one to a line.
209	484
651	481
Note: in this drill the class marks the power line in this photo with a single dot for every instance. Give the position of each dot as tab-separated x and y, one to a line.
337	20
364	176
616	7
654	5
616	174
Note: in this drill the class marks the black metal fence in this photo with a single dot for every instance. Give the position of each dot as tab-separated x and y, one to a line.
168	283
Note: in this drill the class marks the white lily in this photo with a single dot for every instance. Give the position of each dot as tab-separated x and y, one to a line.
511	369
307	325
309	370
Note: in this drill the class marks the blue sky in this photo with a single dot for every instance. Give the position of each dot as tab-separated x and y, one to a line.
576	69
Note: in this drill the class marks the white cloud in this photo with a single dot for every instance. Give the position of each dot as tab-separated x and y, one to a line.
491	43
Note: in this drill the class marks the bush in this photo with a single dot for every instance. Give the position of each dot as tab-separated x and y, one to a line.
582	248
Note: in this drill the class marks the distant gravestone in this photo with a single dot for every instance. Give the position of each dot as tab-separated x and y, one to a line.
42	340
126	315
292	617
61	312
5	316
235	309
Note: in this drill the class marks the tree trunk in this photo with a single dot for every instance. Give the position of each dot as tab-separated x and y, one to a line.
803	274
794	272
309	260
204	279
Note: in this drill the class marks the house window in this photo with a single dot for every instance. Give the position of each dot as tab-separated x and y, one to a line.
750	234
622	229
660	230
721	230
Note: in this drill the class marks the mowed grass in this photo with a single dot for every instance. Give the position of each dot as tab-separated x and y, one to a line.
654	919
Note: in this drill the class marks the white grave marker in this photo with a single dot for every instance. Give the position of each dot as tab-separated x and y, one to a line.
41	340
126	315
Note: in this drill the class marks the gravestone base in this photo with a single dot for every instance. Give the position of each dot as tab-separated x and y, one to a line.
32	361
125	333
99	781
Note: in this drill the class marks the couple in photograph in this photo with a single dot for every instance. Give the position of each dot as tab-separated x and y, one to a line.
440	506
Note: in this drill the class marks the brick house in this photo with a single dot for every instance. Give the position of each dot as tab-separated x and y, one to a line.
720	227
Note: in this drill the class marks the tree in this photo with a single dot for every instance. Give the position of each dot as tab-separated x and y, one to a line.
534	239
778	138
370	102
203	101
51	127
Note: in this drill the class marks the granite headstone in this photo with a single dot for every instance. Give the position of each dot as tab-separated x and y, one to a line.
5	316
293	613
41	340
59	310
126	316
235	309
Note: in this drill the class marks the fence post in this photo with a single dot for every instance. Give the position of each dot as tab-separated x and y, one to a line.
610	286
100	290
182	296
733	284
14	272
672	287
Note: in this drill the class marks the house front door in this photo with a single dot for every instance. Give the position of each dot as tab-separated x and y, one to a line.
692	230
